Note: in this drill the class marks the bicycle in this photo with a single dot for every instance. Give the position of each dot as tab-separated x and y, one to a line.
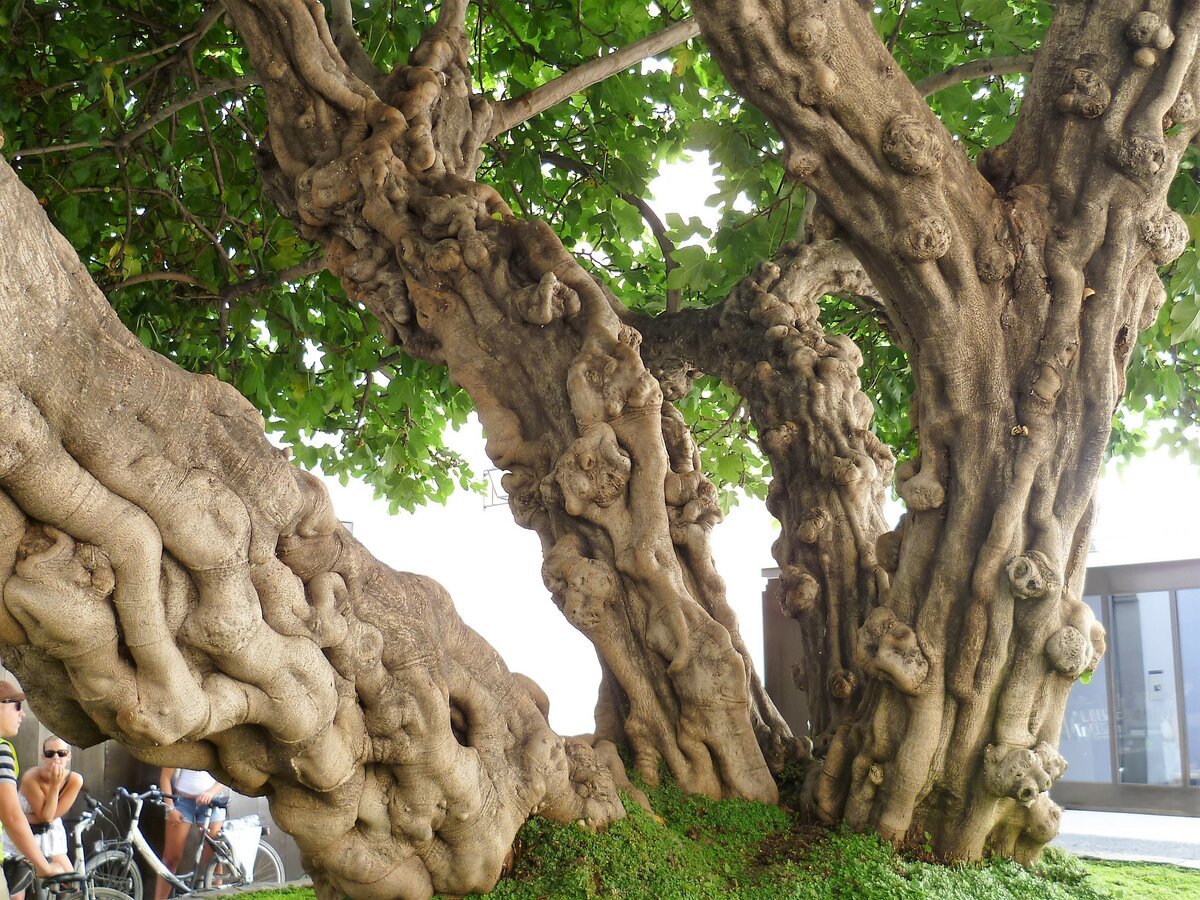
114	864
42	888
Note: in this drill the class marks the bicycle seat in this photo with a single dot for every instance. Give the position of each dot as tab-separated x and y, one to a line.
219	802
65	878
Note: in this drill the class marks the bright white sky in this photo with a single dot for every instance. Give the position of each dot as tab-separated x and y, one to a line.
492	567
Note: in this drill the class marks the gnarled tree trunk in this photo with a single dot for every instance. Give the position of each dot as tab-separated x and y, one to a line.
171	581
829	471
598	464
1017	291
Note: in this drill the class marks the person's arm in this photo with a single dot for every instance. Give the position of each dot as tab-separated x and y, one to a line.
66	797
43	793
164	783
206	797
17	827
35	792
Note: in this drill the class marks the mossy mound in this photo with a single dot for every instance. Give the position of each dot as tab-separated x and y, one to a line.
693	847
702	848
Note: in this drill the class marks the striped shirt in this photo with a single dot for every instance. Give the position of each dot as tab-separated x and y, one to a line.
9	769
8	762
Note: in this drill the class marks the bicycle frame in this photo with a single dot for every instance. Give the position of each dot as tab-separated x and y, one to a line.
135	839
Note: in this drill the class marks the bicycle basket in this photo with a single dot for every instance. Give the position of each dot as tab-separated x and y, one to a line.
243	834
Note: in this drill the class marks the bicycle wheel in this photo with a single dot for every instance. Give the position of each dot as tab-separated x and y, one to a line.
268	869
115	871
268	865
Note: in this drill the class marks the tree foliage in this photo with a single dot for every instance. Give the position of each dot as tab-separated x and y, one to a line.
136	124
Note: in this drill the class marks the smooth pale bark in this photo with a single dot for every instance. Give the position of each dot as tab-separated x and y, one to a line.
170	580
1018	291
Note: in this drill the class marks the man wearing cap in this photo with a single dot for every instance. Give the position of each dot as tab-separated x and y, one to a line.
12	713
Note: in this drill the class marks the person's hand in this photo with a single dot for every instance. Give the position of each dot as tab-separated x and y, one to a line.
206	798
51	868
59	774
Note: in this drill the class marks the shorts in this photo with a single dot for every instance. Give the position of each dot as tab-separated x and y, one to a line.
52	841
193	813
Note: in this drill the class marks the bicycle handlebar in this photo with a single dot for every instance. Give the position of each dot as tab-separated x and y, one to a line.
154	793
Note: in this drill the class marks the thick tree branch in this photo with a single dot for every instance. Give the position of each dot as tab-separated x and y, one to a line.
341	24
510	113
862	138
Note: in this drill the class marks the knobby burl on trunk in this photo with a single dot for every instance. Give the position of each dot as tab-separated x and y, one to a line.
1018	290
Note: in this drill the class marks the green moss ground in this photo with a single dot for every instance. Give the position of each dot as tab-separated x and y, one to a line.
736	849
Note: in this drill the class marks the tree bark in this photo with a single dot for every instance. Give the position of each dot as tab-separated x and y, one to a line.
829	471
598	464
1018	292
171	581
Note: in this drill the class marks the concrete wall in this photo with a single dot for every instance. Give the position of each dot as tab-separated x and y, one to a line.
781	651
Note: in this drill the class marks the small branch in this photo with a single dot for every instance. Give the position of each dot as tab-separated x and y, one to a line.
511	113
674	297
147	277
212	147
895	35
271	279
976	68
211	90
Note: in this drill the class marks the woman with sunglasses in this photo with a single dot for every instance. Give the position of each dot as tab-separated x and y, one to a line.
47	791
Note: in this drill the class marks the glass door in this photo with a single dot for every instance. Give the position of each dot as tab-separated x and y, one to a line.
1148	734
1189	643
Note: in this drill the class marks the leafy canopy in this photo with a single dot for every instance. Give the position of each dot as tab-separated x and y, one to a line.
137	126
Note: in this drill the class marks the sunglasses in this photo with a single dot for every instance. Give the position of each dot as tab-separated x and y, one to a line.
50	754
16	703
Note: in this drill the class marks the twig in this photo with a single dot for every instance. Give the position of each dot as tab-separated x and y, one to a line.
665	244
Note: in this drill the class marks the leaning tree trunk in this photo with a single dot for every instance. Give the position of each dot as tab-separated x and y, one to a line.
1018	294
171	581
829	471
598	464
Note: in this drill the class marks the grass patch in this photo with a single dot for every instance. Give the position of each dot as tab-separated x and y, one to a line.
702	848
1145	881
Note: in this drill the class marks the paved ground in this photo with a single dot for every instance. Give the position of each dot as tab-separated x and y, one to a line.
1107	835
